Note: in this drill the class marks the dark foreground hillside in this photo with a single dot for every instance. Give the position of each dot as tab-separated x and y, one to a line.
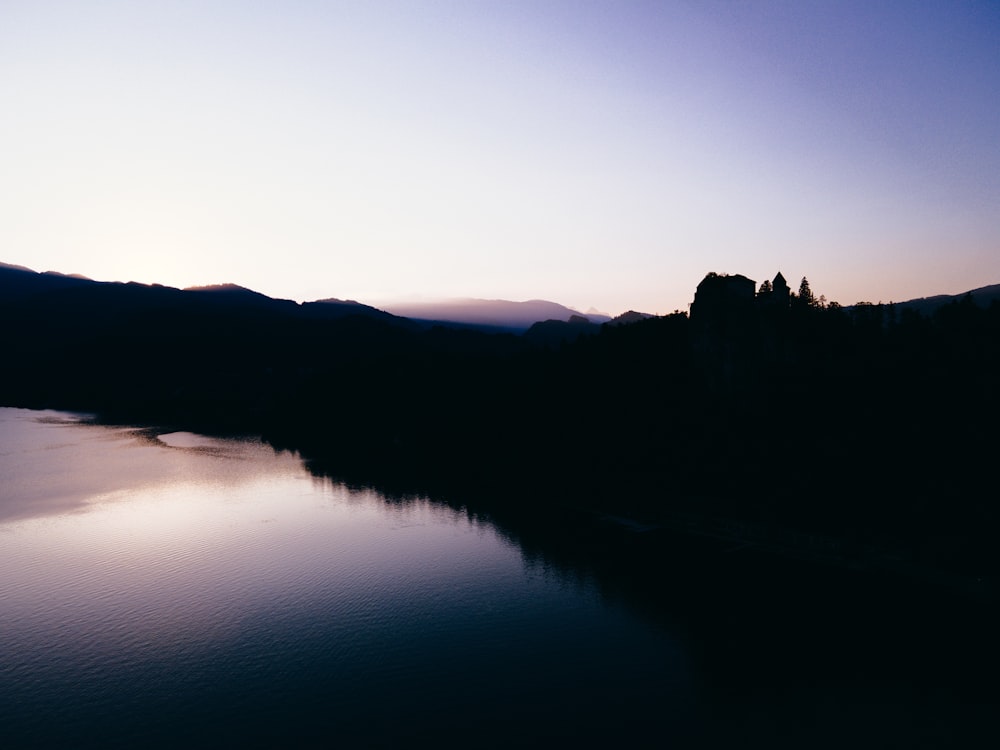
862	437
865	433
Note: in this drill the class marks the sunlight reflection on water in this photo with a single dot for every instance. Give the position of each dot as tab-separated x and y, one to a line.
164	588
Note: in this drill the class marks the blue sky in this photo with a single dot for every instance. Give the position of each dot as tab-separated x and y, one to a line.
603	154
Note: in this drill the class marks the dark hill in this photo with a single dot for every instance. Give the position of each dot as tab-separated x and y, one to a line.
329	309
630	316
983	297
13	267
210	355
551	332
18	282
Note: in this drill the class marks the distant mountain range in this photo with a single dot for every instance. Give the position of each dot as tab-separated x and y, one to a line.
984	296
21	283
491	313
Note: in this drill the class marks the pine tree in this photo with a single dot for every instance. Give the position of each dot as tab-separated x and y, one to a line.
805	295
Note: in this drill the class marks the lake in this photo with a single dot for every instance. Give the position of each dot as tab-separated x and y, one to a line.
167	589
174	589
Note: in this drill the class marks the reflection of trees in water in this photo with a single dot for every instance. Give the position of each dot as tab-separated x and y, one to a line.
780	646
815	423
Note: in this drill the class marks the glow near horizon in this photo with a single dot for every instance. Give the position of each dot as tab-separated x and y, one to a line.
594	154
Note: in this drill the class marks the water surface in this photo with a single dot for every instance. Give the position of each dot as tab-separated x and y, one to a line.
175	589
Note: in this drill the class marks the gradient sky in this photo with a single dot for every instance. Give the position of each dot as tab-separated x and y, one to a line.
603	154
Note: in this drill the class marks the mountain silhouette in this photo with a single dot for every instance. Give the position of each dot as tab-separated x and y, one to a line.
18	282
549	332
629	316
983	297
495	313
864	428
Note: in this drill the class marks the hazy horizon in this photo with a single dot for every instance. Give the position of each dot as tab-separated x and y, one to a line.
599	155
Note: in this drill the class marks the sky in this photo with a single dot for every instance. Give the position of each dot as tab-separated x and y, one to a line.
602	155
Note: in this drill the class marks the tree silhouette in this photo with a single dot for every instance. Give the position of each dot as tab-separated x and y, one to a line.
805	296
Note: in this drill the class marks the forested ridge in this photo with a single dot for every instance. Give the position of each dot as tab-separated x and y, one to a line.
864	431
